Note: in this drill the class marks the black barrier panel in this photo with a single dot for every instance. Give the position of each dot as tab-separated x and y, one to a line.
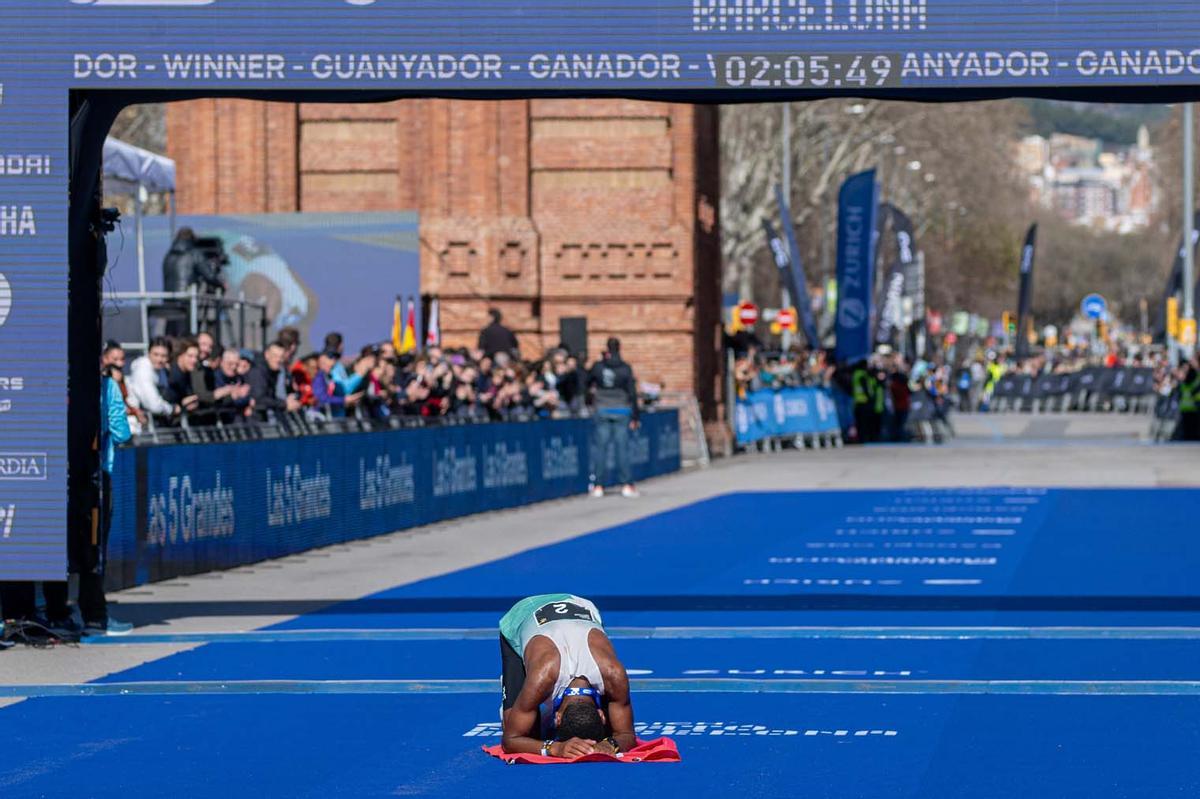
1138	382
1141	382
921	407
185	509
1051	386
1167	407
1090	384
1088	378
1006	387
1119	382
1106	380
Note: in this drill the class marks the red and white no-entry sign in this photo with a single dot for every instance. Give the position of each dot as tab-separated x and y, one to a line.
747	313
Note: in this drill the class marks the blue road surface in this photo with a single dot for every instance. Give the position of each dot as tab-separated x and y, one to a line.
974	643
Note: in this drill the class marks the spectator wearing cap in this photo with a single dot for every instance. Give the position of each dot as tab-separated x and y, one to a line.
346	382
379	388
112	365
326	392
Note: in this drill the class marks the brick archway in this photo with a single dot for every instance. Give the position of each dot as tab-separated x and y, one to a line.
544	208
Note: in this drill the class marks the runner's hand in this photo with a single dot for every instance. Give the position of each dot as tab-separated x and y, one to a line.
573	748
605	748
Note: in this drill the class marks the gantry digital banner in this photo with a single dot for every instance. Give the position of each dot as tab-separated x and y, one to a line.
693	48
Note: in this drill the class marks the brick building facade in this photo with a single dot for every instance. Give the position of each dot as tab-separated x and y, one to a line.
543	208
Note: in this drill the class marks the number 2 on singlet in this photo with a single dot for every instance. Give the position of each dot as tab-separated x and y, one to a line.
557	611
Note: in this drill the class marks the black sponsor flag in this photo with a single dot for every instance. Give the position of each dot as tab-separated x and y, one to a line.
791	268
895	284
1025	294
1175	279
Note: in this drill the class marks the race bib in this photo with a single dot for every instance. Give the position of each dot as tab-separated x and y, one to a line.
557	611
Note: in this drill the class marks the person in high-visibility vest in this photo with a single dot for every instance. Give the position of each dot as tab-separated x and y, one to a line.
995	371
1189	402
862	390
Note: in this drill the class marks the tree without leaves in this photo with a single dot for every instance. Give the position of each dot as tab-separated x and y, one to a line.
965	198
142	126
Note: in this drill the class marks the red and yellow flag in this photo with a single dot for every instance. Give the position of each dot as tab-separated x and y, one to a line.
408	341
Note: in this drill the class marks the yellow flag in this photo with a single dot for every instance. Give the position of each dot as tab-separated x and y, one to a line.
408	342
397	331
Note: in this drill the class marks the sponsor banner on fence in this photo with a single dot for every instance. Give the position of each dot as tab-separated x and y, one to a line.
786	412
184	509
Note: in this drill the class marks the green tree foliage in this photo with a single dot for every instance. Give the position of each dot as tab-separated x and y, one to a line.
1115	124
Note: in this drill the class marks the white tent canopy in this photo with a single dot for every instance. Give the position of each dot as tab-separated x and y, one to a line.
126	167
135	172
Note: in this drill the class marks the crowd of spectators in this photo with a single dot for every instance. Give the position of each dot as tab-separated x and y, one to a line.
193	382
879	391
876	392
976	373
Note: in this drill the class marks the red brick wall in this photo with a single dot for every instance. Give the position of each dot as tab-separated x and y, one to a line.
542	208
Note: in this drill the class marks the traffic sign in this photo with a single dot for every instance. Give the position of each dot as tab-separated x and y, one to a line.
747	314
1094	306
786	318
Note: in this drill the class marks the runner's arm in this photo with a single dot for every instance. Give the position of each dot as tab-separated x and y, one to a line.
620	706
521	719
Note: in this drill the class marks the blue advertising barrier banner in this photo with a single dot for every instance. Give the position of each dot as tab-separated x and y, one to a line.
857	204
184	509
786	412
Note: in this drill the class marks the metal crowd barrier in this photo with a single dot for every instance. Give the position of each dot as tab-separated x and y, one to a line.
1094	389
1166	417
197	429
927	421
803	417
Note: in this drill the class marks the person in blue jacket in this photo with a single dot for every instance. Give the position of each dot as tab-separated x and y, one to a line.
114	430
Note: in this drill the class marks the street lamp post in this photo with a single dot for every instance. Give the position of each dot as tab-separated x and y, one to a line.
786	154
1189	214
